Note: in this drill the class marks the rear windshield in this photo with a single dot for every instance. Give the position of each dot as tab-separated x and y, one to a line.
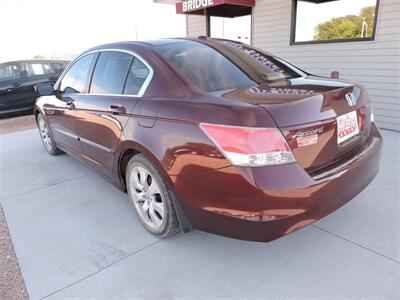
223	65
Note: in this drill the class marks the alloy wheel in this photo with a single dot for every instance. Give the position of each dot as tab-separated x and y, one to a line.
147	197
45	134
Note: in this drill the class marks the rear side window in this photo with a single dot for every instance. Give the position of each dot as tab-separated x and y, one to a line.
37	68
43	68
110	73
136	77
74	81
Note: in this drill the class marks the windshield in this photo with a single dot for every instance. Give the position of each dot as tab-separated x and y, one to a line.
222	65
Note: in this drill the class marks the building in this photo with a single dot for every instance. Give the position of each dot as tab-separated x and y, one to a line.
287	28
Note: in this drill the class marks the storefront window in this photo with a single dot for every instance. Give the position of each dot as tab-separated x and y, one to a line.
236	29
319	21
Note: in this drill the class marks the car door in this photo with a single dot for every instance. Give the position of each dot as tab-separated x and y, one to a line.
115	88
60	108
11	92
34	72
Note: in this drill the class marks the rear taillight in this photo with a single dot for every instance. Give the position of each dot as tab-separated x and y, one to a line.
249	146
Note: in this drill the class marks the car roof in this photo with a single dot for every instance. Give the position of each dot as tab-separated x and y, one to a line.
158	42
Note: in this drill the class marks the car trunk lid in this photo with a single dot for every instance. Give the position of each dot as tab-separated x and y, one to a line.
307	111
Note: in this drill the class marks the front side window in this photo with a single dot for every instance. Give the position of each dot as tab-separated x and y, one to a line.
9	72
74	81
110	72
327	21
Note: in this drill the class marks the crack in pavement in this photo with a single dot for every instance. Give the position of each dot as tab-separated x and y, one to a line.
46	186
356	244
101	269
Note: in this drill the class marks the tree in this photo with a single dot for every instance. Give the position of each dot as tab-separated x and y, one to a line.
347	27
39	56
369	14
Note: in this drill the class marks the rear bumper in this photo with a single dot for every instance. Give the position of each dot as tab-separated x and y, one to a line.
262	204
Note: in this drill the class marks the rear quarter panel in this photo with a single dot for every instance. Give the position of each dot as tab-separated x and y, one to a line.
175	143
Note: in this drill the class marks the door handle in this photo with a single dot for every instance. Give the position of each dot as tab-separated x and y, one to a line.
17	83
70	105
52	78
118	108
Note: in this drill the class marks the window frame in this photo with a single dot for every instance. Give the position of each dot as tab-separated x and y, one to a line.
93	66
293	22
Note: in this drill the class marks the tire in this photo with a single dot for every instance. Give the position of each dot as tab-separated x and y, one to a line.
150	197
46	136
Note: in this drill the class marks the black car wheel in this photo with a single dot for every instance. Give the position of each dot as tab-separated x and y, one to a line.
46	137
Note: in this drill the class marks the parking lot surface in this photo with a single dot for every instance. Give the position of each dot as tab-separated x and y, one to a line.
8	125
76	236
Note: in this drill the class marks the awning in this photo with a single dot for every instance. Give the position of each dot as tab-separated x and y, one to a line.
319	1
224	8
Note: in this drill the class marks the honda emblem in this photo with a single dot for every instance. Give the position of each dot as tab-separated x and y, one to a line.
351	99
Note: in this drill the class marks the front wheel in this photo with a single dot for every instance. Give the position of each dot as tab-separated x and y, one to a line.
150	197
46	137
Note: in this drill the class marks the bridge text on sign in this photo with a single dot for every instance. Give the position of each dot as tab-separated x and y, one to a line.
196	4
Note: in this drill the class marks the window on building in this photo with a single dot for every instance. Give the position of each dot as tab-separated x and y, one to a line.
319	21
236	29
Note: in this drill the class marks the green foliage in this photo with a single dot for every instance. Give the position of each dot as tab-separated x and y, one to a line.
347	27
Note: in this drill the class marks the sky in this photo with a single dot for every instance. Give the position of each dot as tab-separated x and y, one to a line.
65	28
310	15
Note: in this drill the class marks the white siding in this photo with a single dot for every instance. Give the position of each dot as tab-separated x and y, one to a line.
376	64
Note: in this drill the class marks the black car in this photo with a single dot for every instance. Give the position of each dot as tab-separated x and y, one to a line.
17	81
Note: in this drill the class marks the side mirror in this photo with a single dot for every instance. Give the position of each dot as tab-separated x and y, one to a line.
45	89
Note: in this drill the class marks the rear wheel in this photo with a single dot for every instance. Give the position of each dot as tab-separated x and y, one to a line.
150	197
46	137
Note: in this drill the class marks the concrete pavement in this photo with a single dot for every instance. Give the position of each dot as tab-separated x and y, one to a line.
77	237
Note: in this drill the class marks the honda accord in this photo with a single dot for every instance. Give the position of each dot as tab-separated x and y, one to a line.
213	134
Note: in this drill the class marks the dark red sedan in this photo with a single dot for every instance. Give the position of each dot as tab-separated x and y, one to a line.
213	134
